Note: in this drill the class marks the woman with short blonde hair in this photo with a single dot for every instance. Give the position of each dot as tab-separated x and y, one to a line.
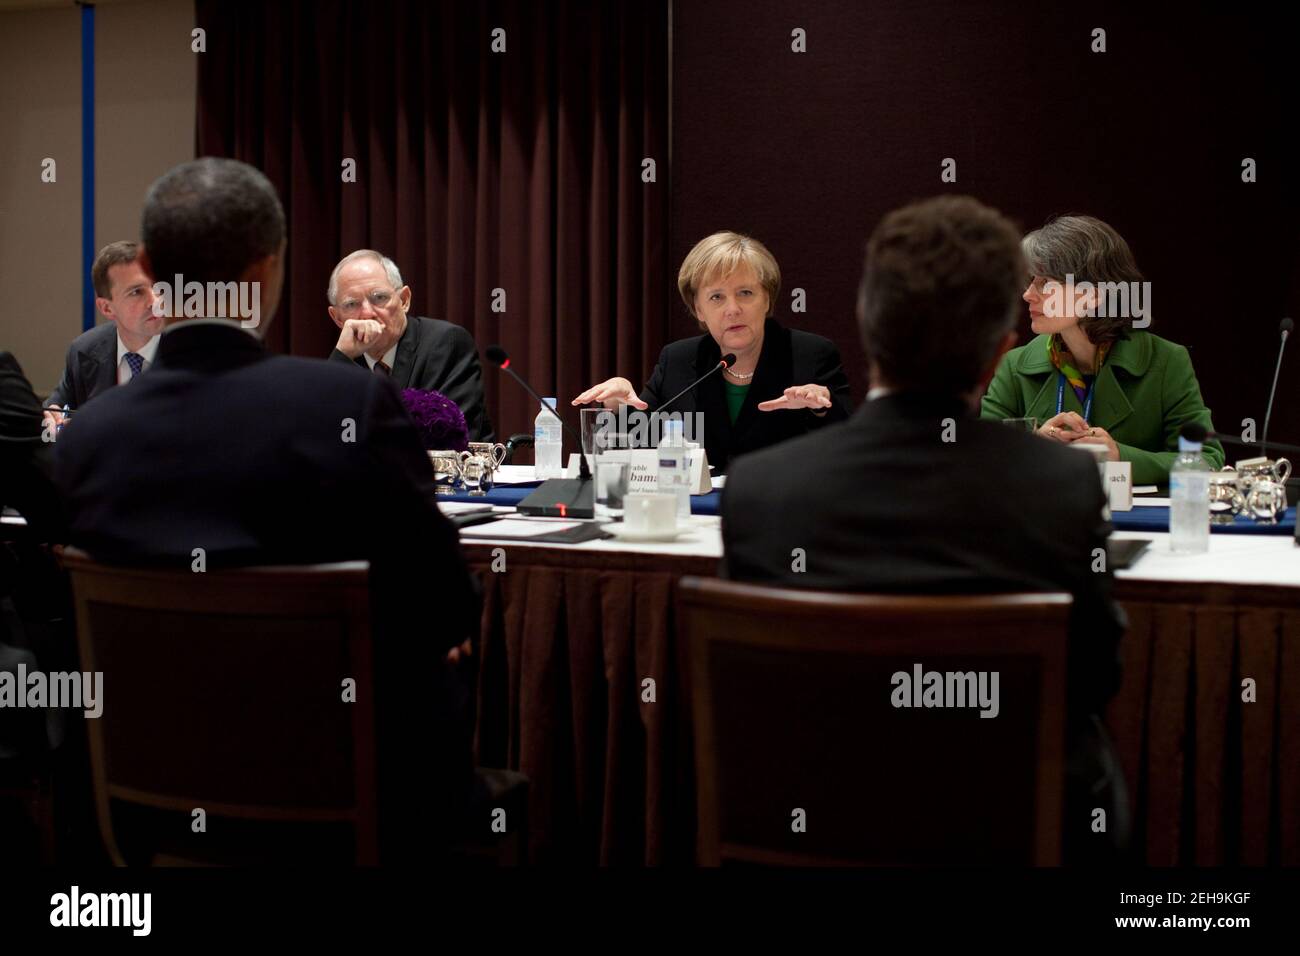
722	254
729	283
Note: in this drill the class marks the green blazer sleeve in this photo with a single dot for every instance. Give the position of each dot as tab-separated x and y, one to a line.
1181	400
1003	398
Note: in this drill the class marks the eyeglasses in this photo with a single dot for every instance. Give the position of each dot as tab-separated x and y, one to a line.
379	300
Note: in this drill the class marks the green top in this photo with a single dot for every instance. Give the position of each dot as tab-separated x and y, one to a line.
735	398
1145	392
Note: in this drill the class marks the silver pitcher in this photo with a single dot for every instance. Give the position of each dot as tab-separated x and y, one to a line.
1266	501
1226	499
476	472
1262	482
1253	469
446	471
495	453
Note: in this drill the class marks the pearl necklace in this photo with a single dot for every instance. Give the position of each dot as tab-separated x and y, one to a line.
743	378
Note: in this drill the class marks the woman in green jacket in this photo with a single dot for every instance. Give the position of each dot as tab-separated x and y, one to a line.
1092	373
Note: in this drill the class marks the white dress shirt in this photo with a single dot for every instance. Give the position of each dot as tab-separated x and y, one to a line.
147	353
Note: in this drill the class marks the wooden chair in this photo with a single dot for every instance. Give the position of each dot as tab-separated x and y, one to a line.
223	691
803	758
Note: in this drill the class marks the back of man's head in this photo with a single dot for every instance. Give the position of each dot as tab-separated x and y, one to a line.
209	220
939	294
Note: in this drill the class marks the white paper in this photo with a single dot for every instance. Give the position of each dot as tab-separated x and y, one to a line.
516	528
462	507
1150	502
1145	489
514	475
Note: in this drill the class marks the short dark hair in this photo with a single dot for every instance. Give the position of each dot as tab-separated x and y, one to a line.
940	289
114	254
209	219
1090	250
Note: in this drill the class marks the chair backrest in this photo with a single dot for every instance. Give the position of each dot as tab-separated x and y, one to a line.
806	754
227	691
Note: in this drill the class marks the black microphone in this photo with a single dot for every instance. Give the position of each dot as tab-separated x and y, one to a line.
1285	328
726	361
554	497
1238	443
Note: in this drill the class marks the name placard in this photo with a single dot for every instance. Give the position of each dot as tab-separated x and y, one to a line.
644	472
1119	485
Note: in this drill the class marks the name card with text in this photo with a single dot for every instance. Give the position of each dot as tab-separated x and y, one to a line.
1119	484
644	472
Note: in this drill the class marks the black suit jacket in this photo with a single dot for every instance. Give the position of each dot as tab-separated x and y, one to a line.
28	575
26	461
789	357
262	459
434	354
90	367
882	503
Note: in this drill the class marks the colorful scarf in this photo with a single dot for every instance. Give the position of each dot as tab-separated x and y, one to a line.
1060	357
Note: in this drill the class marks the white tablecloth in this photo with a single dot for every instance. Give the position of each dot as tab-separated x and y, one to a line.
1232	558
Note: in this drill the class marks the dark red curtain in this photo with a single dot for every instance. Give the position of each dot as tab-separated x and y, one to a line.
1149	135
476	170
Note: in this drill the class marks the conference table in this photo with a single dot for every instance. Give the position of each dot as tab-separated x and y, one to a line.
571	632
1206	721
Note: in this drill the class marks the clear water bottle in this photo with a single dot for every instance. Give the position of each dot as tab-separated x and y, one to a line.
1189	494
548	444
675	467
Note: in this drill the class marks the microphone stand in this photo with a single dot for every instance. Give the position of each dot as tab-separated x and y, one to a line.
1286	327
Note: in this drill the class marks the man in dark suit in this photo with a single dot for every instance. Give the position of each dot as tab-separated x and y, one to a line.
36	606
370	305
262	459
915	495
26	455
124	346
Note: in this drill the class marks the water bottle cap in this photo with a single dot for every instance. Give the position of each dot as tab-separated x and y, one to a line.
1186	444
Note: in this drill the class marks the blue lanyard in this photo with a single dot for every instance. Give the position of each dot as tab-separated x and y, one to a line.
1060	396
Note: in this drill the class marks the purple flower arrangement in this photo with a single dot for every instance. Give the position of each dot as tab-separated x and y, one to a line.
437	418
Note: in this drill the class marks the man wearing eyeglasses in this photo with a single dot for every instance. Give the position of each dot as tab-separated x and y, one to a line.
370	305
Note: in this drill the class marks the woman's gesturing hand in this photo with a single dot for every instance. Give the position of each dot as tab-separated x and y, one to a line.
613	392
816	397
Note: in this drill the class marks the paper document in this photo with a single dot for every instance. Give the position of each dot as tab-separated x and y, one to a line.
514	475
516	528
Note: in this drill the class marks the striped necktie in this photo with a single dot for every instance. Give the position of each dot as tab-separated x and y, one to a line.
381	368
